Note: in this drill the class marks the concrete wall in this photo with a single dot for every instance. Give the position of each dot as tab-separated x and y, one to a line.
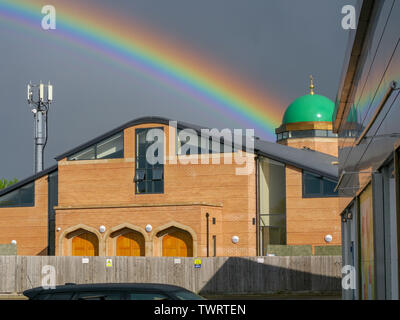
328	250
304	250
219	275
283	250
8	249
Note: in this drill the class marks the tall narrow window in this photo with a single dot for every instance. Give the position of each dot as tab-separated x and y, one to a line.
149	177
272	219
215	245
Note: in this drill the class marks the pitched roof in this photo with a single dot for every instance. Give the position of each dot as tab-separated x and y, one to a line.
309	160
313	161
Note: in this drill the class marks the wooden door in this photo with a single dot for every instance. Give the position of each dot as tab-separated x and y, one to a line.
85	244
130	244
177	244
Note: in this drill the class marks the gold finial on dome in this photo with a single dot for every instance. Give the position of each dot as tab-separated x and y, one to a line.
311	85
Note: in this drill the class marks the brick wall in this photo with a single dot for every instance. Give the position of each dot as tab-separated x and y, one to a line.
111	182
27	225
309	219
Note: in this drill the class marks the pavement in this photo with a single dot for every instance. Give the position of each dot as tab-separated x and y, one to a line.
12	297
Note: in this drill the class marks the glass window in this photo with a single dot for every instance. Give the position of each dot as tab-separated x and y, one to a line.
307	134
140	174
315	186
187	295
147	296
272	235
321	133
61	296
272	221
111	148
329	187
157	173
43	296
189	142
312	184
22	197
10	199
331	134
99	295
27	194
302	134
149	177
87	154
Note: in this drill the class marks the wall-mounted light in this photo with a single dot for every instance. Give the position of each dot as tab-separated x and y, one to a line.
328	238
349	216
102	229
149	227
235	239
14	241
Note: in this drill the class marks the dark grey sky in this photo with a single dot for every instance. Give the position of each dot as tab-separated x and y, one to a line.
273	43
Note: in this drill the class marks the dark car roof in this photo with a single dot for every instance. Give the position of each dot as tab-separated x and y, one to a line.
104	286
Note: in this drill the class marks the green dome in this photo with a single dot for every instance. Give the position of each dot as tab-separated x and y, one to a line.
309	108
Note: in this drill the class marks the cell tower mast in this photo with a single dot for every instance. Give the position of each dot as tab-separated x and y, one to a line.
40	106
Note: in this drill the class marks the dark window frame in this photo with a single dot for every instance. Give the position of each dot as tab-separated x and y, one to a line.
98	294
146	168
148	292
311	133
322	193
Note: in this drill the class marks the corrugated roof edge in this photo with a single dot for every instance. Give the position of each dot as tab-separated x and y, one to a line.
308	160
322	162
28	180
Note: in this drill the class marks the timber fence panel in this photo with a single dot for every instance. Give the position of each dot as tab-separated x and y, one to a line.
216	275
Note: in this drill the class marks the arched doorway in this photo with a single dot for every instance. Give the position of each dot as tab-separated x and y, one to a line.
130	243
85	243
176	243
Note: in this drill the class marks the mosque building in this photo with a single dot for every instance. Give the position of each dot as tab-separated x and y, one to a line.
105	198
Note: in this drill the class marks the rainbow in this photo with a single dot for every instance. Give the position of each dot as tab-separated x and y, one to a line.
372	94
130	44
